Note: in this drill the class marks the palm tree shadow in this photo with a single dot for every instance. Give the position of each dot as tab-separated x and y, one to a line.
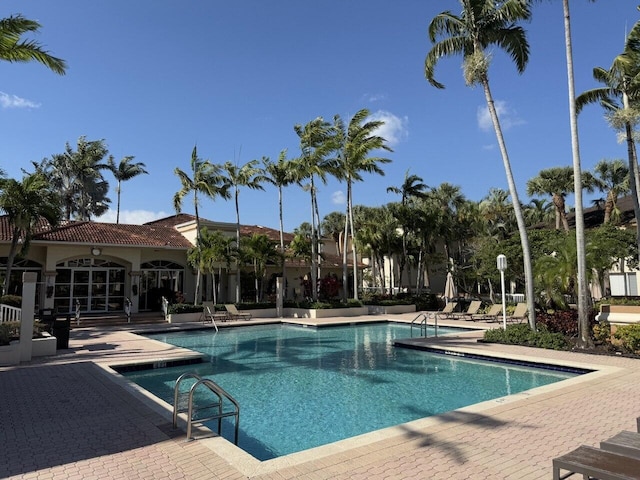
458	418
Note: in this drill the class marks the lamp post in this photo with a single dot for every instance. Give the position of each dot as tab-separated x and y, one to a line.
502	266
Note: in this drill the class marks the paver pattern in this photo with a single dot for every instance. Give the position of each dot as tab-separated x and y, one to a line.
69	417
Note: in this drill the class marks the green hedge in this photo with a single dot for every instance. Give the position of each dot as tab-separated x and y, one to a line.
521	334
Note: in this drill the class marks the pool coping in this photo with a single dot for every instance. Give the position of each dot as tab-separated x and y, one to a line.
250	466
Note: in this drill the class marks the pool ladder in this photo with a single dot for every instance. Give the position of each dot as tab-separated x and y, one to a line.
424	323
183	402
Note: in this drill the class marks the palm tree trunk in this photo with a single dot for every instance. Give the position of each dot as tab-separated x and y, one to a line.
238	287
284	276
314	247
196	295
583	287
522	228
345	274
635	178
118	208
13	249
353	241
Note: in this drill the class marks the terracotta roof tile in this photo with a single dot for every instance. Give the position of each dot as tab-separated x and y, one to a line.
173	220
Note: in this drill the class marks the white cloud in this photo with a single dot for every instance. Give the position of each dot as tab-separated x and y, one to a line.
508	117
394	130
133	217
339	198
374	97
12	101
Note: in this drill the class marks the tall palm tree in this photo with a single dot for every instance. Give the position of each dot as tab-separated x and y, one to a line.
215	250
619	97
332	225
14	49
413	187
262	251
317	142
612	178
557	182
584	304
279	174
25	203
77	176
481	24
205	179
250	176
539	210
122	172
357	141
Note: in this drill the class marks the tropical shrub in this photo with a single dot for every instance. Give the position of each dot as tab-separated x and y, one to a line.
602	332
629	337
11	300
177	308
521	334
9	331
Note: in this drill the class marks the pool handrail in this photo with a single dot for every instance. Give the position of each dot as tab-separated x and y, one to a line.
424	323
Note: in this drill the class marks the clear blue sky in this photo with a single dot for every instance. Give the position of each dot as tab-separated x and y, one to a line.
155	77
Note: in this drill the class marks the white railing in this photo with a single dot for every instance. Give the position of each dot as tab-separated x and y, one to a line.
10	314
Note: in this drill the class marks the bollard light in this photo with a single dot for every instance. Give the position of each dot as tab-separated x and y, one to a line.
502	266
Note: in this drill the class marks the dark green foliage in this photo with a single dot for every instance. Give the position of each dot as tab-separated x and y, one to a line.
629	337
184	308
9	331
11	300
521	334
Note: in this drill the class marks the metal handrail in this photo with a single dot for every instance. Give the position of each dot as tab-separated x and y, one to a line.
424	324
220	394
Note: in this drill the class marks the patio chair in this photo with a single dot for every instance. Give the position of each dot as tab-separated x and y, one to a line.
209	313
234	314
592	462
492	315
519	315
471	310
447	311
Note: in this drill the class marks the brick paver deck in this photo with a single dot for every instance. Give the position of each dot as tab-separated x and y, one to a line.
71	417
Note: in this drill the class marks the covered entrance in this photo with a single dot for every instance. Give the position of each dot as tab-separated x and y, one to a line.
97	285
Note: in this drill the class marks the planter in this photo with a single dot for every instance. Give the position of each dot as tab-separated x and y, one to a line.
325	312
619	314
184	317
261	312
10	354
390	309
46	345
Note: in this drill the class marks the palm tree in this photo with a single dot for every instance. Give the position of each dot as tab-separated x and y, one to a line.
76	175
611	177
357	142
332	225
14	49
618	97
279	174
481	24
124	171
412	188
215	250
557	182
262	251
207	180
317	142
247	175
539	210
25	203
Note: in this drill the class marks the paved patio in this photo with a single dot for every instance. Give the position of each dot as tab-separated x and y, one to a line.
71	417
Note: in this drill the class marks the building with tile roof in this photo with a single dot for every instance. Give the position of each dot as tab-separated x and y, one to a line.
99	266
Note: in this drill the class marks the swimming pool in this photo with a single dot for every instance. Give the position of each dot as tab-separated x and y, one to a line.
299	387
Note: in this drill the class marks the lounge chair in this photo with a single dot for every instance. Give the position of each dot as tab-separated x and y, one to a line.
235	314
472	309
592	462
519	315
625	443
492	315
447	311
209	313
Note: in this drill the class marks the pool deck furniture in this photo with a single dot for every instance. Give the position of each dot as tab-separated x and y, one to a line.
519	315
492	315
593	462
235	314
472	309
209	313
447	311
625	443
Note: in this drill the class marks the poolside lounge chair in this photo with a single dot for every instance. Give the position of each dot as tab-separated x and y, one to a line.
447	311
492	315
234	314
595	463
472	309
209	313
625	443
519	315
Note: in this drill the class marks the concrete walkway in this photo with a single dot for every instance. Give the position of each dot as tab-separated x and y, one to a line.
71	417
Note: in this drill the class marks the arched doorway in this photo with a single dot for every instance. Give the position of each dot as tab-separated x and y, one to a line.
96	284
159	278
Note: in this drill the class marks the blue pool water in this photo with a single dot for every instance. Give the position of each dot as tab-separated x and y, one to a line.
299	388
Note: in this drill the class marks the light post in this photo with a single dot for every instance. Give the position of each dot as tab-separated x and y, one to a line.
502	266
